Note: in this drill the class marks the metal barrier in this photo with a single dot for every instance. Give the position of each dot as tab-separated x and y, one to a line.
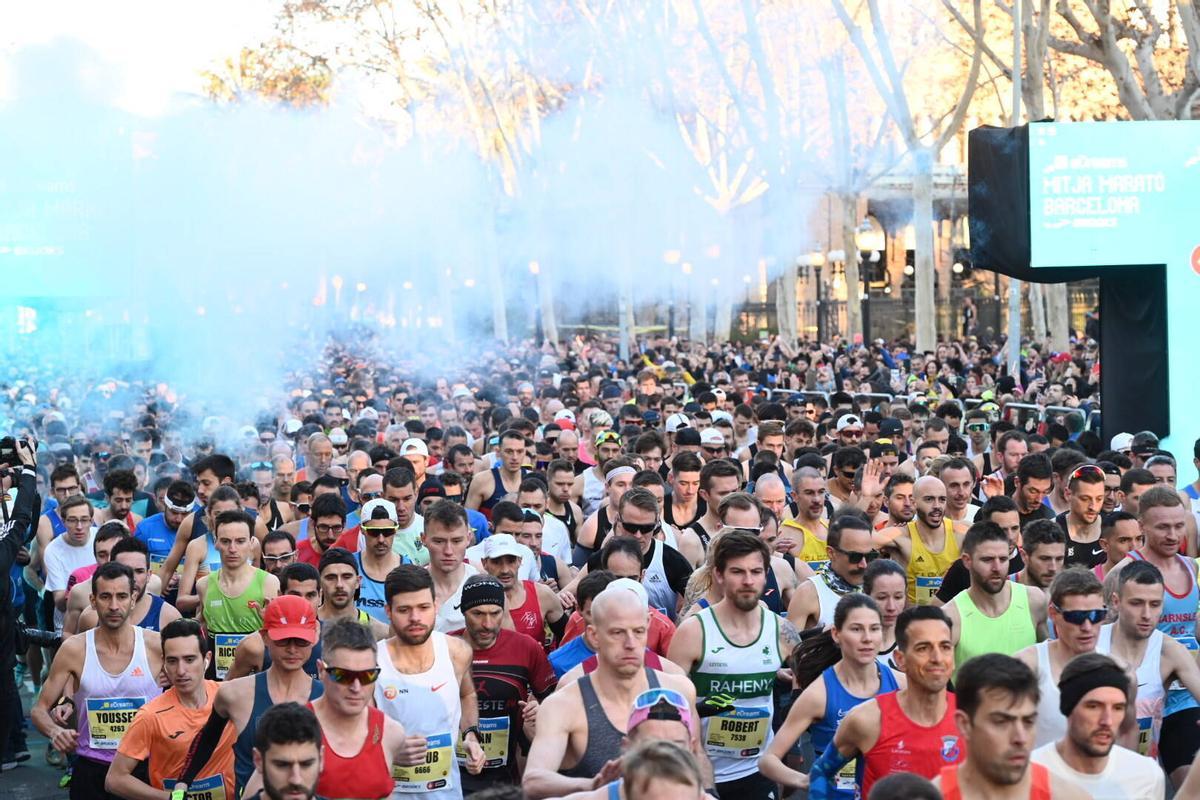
1026	417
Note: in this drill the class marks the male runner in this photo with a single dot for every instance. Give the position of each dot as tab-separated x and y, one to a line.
1002	511
1076	611
560	477
489	488
1031	486
810	526
79	591
1064	461
68	552
359	743
377	558
511	676
770	491
163	729
202	555
1135	483
400	489
535	609
997	705
556	541
686	506
1043	548
1094	695
929	544
1120	534
732	651
910	730
718	478
849	550
159	531
618	479
994	615
115	668
328	523
287	753
278	552
290	627
577	737
958	475
900	503
425	685
1084	493
232	598
119	487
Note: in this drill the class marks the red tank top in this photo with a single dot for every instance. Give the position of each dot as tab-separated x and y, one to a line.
366	775
905	746
528	618
1039	787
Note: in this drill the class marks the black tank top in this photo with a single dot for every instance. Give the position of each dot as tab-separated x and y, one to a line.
567	520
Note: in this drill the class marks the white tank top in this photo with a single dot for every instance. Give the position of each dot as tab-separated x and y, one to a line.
659	591
449	618
827	598
593	492
1051	724
106	703
426	704
1151	694
669	537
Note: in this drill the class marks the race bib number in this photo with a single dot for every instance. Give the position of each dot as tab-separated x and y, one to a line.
927	586
109	718
493	736
156	562
846	779
434	773
1145	742
211	788
740	733
226	645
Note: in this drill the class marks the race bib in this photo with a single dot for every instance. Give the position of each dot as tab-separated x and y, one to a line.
156	562
211	788
226	645
846	779
493	736
109	718
1145	742
927	586
740	733
434	773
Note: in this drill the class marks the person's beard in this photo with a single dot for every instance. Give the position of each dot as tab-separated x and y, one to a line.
277	793
410	640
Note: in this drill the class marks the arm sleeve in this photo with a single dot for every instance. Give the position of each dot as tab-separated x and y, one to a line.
954	582
677	568
203	747
820	777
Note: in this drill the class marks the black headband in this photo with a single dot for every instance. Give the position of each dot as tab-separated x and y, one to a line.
1072	691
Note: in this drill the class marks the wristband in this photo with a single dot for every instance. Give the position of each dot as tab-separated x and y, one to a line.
473	729
179	792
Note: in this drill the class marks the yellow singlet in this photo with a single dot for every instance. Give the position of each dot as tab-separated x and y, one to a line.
926	568
812	548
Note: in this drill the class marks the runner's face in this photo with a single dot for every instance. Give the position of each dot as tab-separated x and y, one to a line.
901	504
141	572
718	488
1010	523
810	497
567	447
773	496
512	454
289	771
860	637
320	457
206	483
66	488
306	589
1077	638
1165	528
1163	473
1093	724
530	535
1031	493
183	663
504	569
620	637
653	459
233	543
607	451
685	486
1044	562
617	488
327	529
447	547
348	700
278	563
1125	538
624	565
889	591
113	600
1000	735
1112	492
1139	608
483	625
930	499
928	661
560	485
405	500
532	500
1086	500
285	476
120	502
959	484
989	566
412	615
774	444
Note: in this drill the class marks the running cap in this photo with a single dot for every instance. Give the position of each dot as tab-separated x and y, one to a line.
1122	441
248	432
499	545
337	555
849	421
884	447
610	392
378	509
564	413
460	391
688	437
290	617
891	427
292	426
338	437
431	487
481	590
417	446
369	413
677	421
711	437
1144	442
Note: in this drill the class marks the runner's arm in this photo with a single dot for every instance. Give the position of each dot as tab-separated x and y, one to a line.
542	779
247	657
1182	663
188	598
121	782
178	547
685	644
205	743
809	706
67	662
846	745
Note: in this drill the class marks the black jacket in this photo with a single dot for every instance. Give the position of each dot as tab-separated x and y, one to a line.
15	533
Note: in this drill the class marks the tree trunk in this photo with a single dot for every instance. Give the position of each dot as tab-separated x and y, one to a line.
1037	311
697	309
546	301
923	223
495	281
785	298
854	328
1058	313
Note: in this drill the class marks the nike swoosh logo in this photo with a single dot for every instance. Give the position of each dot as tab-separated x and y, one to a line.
717	649
440	685
1097	551
175	735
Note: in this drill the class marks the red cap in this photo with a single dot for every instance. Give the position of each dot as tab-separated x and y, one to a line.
291	617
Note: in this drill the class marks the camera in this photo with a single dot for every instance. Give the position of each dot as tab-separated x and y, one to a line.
8	452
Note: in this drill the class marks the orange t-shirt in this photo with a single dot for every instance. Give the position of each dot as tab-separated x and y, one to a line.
168	727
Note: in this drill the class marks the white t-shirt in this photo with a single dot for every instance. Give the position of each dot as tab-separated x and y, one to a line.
1128	775
555	539
61	559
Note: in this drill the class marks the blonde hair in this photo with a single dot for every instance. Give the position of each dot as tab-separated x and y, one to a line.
662	760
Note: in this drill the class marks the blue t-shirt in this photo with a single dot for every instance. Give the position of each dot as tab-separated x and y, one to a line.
158	537
479	524
570	655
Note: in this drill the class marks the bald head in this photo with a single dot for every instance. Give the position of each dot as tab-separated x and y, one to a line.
770	491
616	602
358	460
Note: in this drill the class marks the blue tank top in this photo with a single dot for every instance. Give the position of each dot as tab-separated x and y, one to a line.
213	557
1178	621
1191	492
243	746
302	534
371	598
56	524
838	703
310	666
150	622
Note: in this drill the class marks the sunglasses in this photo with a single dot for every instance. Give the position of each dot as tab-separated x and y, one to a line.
280	557
1084	469
381	532
978	427
261	465
369	496
630	527
1092	615
608	437
651	698
303	508
855	557
743	529
348	676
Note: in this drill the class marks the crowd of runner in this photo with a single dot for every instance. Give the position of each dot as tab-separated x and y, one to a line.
861	572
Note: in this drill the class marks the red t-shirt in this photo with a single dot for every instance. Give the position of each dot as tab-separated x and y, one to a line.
658	637
905	746
349	539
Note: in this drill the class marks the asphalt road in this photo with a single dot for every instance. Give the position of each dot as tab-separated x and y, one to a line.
35	779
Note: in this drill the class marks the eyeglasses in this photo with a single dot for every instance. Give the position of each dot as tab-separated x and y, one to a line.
77	521
631	527
330	528
651	698
1092	615
381	533
348	676
714	451
280	557
1084	469
855	557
